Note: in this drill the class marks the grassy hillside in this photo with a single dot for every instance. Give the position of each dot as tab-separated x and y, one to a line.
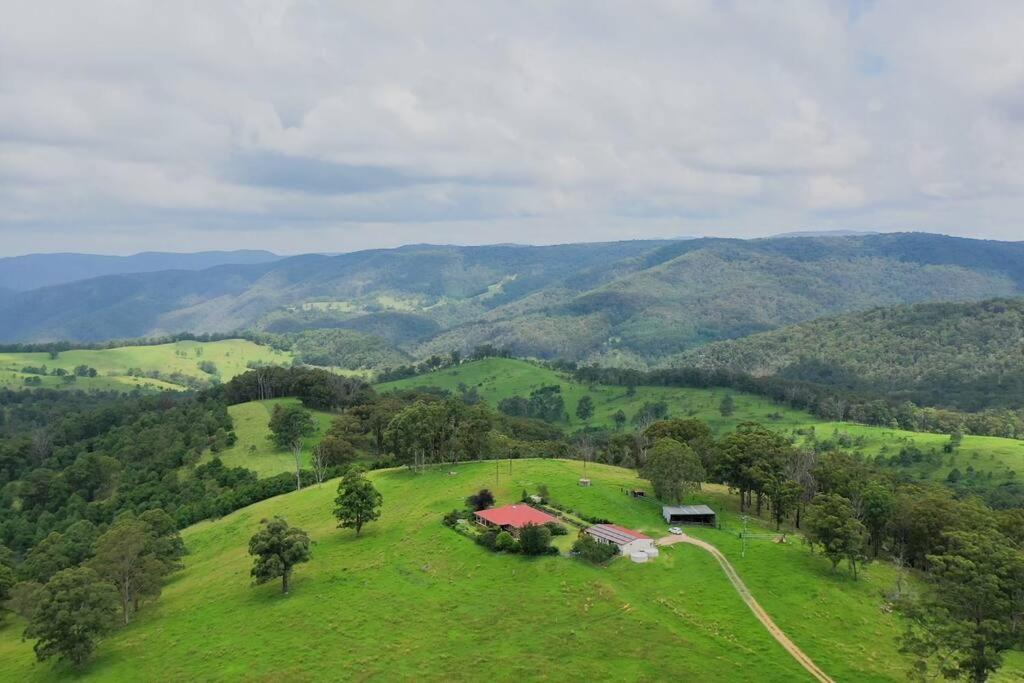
967	355
254	450
413	599
498	378
176	363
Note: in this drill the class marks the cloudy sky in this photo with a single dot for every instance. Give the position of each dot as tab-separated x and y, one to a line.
332	126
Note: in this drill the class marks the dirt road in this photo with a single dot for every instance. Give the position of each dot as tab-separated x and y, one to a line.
754	606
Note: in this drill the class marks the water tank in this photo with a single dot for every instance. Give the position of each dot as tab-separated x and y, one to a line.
652	552
638	556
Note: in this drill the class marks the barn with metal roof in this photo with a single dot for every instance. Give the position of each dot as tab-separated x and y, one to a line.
689	514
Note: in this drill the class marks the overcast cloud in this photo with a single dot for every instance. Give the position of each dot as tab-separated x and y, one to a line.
330	126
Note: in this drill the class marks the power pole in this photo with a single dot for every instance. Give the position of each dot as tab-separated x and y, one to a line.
743	552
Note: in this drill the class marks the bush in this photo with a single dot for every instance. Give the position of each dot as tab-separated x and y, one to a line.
586	548
488	538
454	517
504	543
481	500
557	529
535	540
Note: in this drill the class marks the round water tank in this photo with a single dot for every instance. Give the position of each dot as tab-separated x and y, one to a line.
638	556
652	552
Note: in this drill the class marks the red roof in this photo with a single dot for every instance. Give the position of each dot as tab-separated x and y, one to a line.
515	516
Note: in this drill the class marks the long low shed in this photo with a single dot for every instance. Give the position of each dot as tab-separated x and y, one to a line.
689	514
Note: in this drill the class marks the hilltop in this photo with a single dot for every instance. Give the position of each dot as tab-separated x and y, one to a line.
623	303
965	355
413	598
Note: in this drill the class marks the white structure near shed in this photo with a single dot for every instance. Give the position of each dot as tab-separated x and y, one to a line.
628	541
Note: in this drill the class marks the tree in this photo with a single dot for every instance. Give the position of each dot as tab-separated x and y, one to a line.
970	614
535	539
277	548
620	419
48	557
673	469
586	548
749	457
7	581
784	495
75	608
358	502
727	407
694	433
831	523
585	408
165	539
481	500
125	558
289	426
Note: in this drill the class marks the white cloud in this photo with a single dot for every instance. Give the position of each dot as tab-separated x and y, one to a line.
124	126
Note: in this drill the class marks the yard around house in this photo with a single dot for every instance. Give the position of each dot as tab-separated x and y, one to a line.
412	598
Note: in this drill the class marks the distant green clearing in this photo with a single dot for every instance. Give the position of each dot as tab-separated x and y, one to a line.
254	450
499	378
173	362
413	599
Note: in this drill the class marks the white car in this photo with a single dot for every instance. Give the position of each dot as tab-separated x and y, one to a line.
675	531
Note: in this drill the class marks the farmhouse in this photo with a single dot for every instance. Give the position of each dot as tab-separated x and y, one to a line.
688	514
512	518
627	540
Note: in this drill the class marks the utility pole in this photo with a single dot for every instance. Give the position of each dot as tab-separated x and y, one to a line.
743	552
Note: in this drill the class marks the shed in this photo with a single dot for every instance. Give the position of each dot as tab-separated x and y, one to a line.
627	540
689	514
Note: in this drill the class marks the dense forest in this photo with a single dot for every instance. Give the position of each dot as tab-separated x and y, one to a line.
958	355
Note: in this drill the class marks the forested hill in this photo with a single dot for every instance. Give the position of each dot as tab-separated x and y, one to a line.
632	302
964	355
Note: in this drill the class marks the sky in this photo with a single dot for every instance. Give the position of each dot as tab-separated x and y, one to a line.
333	126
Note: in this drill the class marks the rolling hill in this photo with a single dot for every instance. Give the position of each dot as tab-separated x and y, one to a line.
411	598
22	273
964	355
625	302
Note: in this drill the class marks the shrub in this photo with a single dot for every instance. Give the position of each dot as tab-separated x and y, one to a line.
488	538
481	500
452	518
535	540
556	529
586	548
504	543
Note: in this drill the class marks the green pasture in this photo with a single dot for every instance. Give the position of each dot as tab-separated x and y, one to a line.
413	599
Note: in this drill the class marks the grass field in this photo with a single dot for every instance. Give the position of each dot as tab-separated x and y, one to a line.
230	358
412	599
498	378
254	450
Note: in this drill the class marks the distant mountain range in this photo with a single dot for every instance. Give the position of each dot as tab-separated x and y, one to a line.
637	302
24	273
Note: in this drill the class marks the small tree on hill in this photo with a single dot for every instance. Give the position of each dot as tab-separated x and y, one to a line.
289	426
585	408
358	502
727	407
620	419
480	500
277	548
73	611
673	469
832	524
125	558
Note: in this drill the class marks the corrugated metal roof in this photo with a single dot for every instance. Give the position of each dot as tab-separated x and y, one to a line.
687	510
615	534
